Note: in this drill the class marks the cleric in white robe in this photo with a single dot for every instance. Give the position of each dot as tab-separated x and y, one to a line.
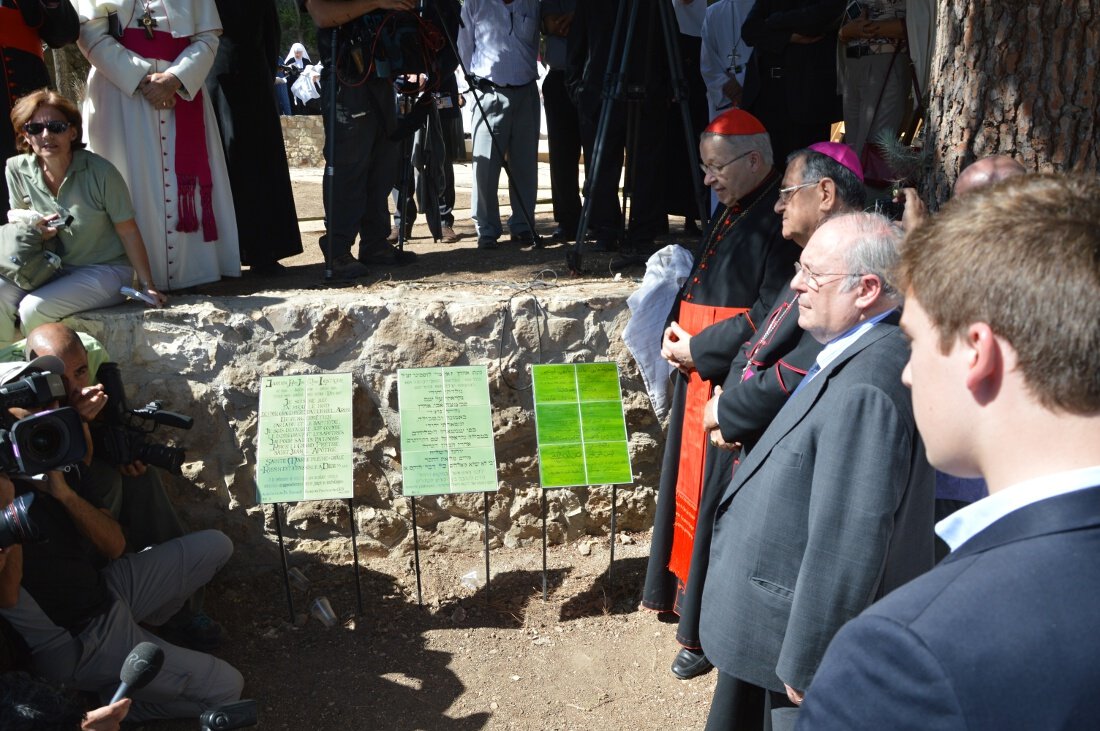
144	111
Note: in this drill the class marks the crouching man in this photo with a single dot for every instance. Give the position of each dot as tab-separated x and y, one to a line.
78	602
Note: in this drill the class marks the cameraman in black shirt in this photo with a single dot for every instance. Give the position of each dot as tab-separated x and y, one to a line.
77	600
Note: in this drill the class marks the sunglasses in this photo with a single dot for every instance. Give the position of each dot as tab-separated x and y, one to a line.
36	128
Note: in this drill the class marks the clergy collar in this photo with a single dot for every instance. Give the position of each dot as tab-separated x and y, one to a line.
756	193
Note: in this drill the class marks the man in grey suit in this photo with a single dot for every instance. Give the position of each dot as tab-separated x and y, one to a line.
1003	304
833	506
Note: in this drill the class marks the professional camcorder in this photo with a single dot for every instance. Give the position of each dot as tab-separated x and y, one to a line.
34	444
120	436
385	44
42	441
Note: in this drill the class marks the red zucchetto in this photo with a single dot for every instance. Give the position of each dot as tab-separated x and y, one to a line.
735	122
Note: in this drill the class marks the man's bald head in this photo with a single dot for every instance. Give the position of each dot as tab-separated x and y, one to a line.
987	171
56	339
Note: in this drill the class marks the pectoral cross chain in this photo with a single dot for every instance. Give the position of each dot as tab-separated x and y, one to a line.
148	22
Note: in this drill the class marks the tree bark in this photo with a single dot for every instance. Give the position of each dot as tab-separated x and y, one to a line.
1017	78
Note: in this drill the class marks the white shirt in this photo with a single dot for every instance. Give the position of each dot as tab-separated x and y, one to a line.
962	525
836	347
500	42
723	54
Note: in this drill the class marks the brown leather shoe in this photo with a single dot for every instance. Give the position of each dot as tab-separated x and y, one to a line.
394	234
449	236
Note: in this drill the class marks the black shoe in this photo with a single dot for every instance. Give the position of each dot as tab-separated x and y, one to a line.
487	243
523	238
561	234
604	245
690	664
386	255
627	260
691	228
346	267
268	269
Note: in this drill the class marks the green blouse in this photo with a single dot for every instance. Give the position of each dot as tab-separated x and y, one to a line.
93	193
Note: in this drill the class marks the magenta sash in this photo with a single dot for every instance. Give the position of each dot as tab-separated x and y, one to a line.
192	158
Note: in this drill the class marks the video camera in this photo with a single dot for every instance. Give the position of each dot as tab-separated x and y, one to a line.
386	44
34	444
42	441
120	436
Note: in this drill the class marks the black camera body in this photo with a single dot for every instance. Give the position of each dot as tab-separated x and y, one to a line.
230	716
34	444
42	441
121	436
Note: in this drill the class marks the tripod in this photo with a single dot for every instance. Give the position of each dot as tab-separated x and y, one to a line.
614	90
422	149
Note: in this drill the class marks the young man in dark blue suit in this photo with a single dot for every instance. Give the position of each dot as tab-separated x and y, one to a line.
1003	301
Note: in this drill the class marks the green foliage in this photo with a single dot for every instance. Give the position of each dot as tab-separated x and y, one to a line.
297	27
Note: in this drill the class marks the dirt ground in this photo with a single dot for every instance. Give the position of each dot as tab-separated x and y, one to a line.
473	657
461	262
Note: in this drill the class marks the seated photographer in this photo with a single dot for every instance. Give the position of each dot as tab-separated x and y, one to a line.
85	205
78	602
132	492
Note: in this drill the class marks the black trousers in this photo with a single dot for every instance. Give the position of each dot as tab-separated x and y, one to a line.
563	131
742	706
365	166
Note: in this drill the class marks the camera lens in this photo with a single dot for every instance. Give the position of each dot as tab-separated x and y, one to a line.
15	522
45	442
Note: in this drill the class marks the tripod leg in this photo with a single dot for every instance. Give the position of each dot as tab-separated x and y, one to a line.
612	91
679	85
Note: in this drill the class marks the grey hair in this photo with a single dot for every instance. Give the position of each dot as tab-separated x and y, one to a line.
817	166
741	144
875	249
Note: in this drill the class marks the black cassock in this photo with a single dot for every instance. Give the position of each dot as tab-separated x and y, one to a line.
749	266
241	86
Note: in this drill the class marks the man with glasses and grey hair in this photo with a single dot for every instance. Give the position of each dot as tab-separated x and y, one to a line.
822	180
833	507
741	266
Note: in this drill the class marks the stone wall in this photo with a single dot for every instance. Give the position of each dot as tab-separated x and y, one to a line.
206	356
304	136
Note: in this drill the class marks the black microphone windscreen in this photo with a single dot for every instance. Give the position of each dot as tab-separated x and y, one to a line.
142	665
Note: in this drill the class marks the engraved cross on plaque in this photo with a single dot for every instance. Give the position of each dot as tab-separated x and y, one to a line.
148	22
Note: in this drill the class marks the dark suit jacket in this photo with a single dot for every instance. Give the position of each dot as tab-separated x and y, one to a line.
830	510
1001	635
779	355
809	69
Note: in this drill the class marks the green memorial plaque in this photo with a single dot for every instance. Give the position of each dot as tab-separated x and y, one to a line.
304	449
446	431
580	425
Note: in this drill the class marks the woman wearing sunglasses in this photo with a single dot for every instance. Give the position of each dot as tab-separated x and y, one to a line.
85	203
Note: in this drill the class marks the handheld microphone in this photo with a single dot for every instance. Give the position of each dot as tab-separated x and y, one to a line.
141	666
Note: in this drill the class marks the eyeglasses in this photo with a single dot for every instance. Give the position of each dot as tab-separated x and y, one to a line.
785	194
36	128
812	278
716	170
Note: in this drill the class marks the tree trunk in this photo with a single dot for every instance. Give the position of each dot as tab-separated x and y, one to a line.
1017	78
69	70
